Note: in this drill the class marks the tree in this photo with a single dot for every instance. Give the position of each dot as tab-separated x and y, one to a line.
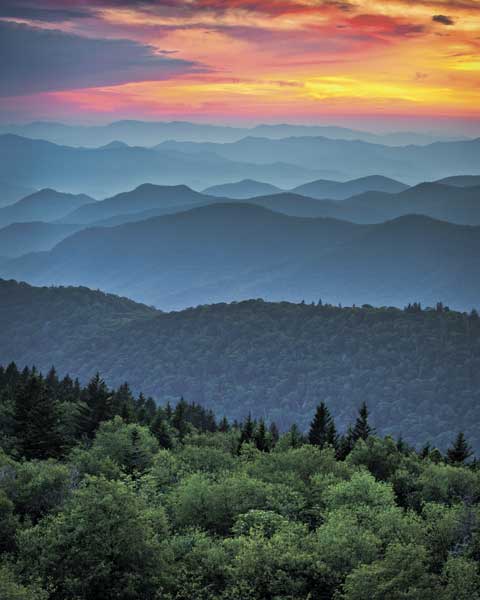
362	429
460	450
103	544
260	437
247	431
345	444
37	420
274	434
98	406
179	418
322	428
161	430
224	425
295	438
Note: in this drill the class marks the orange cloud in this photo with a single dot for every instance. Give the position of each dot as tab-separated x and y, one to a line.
284	58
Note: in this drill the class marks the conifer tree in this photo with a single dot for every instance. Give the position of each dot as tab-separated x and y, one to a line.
161	430
123	403
98	406
362	429
37	420
247	431
322	428
274	434
150	409
260	437
179	418
224	425
460	450
136	457
345	445
295	437
425	451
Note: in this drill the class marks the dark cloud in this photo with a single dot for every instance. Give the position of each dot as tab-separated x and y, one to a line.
47	14
443	19
40	60
406	29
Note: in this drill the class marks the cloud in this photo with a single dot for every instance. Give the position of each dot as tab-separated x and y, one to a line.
39	60
443	19
47	14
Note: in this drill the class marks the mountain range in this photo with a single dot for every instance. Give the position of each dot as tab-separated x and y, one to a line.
11	191
242	190
149	133
232	251
273	360
455	204
18	239
44	205
349	159
320	189
284	163
105	171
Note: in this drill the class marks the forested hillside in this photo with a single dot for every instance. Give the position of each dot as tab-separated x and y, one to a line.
102	495
418	370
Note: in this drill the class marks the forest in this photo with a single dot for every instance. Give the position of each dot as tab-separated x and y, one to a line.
105	495
418	369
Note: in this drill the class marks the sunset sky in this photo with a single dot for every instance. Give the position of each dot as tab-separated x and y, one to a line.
397	63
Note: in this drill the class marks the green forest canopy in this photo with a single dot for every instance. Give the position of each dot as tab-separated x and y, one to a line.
103	495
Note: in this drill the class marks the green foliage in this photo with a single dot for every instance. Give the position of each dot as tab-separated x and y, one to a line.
400	575
102	545
224	513
11	588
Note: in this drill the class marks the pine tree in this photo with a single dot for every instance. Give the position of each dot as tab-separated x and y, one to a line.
136	459
161	430
260	437
37	420
322	428
123	403
247	431
224	426
425	451
295	437
345	445
274	434
179	418
460	451
362	429
97	406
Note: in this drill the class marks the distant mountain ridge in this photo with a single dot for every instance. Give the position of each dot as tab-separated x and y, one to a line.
143	198
149	133
102	172
11	192
232	251
334	190
18	239
44	205
349	159
242	190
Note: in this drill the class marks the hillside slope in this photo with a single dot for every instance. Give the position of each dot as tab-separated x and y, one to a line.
336	190
419	371
44	205
21	238
242	190
223	252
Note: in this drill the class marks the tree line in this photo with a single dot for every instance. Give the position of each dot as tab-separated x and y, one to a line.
105	495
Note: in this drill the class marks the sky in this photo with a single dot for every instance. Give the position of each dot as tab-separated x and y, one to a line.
392	64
